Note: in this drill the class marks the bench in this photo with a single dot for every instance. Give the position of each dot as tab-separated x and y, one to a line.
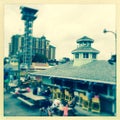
25	101
13	93
26	82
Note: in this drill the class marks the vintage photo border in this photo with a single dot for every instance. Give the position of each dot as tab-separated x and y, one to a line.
4	2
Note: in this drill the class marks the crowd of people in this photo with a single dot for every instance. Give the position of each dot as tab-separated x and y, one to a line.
50	107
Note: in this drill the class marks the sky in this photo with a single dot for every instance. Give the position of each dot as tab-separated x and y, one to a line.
64	24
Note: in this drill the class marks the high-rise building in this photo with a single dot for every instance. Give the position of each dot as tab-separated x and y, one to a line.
16	44
51	52
39	46
42	46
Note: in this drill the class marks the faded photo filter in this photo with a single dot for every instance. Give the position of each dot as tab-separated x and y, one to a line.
60	60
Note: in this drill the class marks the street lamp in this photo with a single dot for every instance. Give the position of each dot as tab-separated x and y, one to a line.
18	56
113	57
112	60
105	31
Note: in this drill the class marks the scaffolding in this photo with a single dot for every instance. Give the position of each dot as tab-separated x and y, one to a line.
28	15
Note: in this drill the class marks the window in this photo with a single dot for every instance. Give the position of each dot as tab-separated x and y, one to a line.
82	85
94	56
101	88
85	55
77	55
85	43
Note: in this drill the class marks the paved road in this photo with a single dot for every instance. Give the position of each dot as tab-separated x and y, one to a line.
14	107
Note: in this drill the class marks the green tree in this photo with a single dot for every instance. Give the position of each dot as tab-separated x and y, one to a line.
39	58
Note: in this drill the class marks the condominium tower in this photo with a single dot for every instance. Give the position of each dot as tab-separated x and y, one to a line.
39	46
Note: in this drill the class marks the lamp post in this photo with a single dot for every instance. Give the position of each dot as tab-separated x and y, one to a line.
111	61
18	55
115	35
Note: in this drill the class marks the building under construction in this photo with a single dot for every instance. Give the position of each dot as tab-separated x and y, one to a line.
28	15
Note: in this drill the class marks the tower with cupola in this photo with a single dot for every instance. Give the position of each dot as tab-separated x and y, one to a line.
84	53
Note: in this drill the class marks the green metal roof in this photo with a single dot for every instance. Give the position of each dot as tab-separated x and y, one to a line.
97	71
83	49
85	38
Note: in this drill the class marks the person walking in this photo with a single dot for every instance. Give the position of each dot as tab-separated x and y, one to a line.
50	112
90	95
65	110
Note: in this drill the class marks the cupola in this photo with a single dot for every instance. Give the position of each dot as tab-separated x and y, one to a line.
84	53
